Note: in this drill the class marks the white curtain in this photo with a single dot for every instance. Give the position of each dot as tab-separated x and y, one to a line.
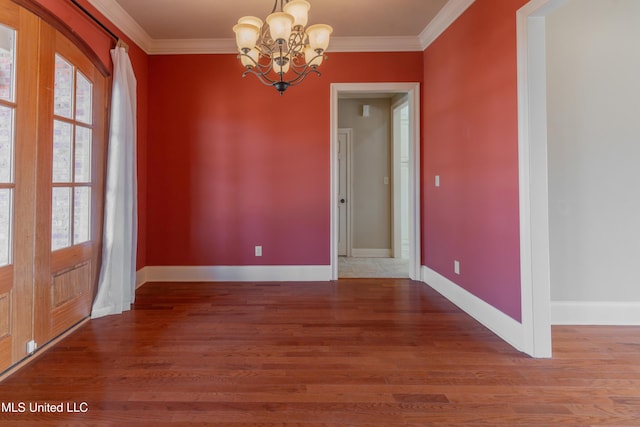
117	283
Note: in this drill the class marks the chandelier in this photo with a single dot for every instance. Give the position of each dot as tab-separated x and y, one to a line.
281	53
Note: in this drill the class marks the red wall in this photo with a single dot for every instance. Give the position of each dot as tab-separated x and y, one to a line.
232	164
101	44
471	142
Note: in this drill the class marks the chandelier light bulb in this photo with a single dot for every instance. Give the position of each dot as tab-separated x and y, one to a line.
246	36
319	36
281	63
280	26
312	58
251	20
250	59
299	9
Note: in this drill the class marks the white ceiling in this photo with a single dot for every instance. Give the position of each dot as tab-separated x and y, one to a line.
205	26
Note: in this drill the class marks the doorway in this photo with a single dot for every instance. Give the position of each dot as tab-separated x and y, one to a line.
52	152
403	97
534	175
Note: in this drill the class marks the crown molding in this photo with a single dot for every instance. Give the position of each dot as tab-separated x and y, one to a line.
447	15
125	23
338	44
192	46
375	44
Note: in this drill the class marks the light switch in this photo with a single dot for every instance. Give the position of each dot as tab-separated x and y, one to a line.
437	180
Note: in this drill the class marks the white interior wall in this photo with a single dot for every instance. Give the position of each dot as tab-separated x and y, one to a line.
593	62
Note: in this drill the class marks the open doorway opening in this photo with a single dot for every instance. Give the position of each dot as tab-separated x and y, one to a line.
544	119
375	188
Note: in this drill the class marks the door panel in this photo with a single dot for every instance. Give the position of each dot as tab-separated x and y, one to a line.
344	145
70	188
44	292
18	178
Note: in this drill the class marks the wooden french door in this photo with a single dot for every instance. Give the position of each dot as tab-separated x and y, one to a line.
52	151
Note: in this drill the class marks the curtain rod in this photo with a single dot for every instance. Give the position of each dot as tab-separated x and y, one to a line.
94	19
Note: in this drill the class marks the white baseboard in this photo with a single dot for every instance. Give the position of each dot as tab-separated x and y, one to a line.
249	273
370	253
141	277
499	323
595	313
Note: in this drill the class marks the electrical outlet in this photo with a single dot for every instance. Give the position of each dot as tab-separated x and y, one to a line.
31	346
258	250
456	267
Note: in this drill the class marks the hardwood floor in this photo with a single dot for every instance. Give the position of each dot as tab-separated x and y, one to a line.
356	352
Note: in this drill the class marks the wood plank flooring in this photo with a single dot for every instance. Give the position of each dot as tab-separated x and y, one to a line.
356	352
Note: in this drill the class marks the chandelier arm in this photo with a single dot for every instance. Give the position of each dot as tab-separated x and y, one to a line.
300	78
262	69
263	78
302	68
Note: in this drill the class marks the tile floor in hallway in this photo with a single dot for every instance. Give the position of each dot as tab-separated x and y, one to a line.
350	267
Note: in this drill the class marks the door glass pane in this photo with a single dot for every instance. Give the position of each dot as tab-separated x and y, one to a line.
83	155
61	218
61	151
6	199
7	63
63	92
6	145
81	215
83	99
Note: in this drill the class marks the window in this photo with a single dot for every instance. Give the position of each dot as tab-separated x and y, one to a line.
7	141
72	130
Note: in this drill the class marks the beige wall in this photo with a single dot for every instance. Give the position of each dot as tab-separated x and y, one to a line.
371	198
593	59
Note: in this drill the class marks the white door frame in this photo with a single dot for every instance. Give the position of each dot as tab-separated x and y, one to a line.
413	92
349	193
533	174
397	219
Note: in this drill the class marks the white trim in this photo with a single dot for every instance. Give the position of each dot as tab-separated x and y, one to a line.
192	46
141	277
125	23
499	323
338	44
447	16
349	206
370	253
595	313
375	44
248	273
130	27
396	188
413	92
532	167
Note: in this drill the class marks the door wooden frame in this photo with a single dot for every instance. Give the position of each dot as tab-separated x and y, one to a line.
412	90
30	320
